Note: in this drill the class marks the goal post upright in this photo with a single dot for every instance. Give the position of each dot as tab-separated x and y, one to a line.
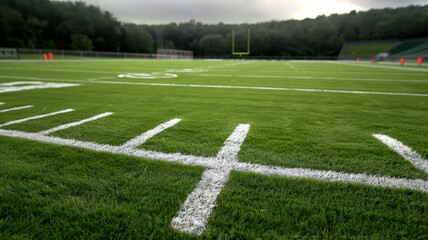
233	44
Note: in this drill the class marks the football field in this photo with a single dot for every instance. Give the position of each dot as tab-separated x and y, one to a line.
136	149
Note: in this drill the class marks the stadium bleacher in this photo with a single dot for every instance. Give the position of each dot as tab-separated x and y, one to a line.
385	50
354	50
411	49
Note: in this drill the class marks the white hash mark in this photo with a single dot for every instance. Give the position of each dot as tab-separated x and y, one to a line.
404	151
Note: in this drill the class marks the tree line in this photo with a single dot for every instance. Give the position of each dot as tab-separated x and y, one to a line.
75	25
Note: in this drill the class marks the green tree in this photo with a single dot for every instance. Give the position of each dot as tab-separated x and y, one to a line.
212	45
81	42
137	39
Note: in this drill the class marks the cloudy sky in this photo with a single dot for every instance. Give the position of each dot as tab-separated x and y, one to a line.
234	11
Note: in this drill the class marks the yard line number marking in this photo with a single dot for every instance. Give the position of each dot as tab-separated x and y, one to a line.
15	86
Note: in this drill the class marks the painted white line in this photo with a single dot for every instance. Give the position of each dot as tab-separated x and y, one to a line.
404	151
1	103
380	66
65	126
291	66
19	83
11	86
266	88
228	87
333	176
56	70
209	162
137	141
233	143
35	117
188	70
195	211
305	77
148	75
16	108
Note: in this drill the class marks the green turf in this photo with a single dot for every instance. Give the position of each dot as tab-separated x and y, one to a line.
48	191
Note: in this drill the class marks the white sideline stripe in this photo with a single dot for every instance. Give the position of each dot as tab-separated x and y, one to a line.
333	176
265	88
195	211
228	87
404	151
305	77
137	141
209	162
1	103
35	117
65	126
379	66
15	108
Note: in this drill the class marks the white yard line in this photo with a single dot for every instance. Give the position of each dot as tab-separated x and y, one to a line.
209	162
304	77
65	126
333	176
137	141
265	88
1	103
291	66
16	108
35	117
404	151
233	143
195	211
380	66
228	87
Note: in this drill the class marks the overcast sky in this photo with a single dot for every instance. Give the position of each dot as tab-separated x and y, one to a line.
234	11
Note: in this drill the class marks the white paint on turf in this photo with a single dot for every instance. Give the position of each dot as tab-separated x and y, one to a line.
210	162
12	86
15	108
315	78
147	75
291	66
266	88
189	70
68	125
195	211
35	117
404	151
228	87
380	66
137	141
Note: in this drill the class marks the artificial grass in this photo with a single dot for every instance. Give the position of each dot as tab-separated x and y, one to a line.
100	195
